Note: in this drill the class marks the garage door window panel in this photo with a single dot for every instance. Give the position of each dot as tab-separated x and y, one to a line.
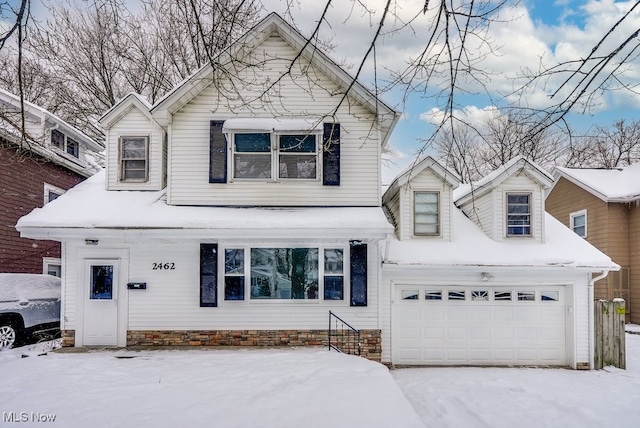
457	295
549	296
502	296
433	295
526	296
410	294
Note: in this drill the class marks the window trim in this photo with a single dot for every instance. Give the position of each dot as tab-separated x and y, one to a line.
275	155
51	261
506	214
572	218
439	205
248	299
65	144
50	188
121	160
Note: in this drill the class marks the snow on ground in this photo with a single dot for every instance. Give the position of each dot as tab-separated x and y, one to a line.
202	388
304	388
526	397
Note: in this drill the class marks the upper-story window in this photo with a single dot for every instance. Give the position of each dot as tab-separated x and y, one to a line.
279	156
426	213
134	159
274	150
52	192
518	214
65	143
579	223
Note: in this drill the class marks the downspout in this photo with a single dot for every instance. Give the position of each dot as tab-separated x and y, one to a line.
592	341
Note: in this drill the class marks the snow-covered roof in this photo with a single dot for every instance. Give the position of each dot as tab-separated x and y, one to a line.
419	165
610	185
13	100
89	210
275	124
469	246
519	164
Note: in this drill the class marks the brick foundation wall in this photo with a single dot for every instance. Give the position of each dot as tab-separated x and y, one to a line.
582	366
68	338
370	340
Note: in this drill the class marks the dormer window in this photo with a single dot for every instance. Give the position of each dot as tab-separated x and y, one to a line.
65	143
518	214
426	213
134	159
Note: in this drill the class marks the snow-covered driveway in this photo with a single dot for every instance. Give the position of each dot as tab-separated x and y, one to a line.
304	388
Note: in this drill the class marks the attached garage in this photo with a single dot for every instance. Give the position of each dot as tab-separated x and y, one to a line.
479	325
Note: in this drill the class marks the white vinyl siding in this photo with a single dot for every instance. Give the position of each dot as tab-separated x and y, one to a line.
359	144
136	124
489	211
426	181
171	300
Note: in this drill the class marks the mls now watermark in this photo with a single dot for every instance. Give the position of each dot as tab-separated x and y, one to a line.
28	417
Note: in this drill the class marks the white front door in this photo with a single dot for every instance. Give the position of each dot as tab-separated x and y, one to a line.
101	302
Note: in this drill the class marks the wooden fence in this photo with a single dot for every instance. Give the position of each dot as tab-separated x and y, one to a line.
610	341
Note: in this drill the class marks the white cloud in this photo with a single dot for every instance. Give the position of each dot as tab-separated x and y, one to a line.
472	115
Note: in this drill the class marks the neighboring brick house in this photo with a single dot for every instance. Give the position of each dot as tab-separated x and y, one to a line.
55	161
602	206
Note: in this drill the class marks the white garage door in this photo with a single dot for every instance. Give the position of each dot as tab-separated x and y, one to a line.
479	325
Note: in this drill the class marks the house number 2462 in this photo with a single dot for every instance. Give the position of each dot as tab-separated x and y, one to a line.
164	266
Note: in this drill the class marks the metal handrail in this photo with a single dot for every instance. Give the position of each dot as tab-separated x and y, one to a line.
353	350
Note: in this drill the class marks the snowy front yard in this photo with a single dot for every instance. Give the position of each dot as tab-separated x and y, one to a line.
303	388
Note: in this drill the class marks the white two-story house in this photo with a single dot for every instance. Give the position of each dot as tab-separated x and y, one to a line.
246	204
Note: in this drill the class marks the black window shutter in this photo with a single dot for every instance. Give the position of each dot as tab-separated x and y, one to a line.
217	153
208	274
331	154
358	260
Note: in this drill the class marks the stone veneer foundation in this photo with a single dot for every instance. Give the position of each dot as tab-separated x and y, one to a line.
370	340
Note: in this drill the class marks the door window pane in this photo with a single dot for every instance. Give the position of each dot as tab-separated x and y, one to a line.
101	282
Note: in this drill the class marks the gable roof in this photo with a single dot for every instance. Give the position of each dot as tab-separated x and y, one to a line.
35	111
47	121
182	93
517	165
415	168
609	185
123	106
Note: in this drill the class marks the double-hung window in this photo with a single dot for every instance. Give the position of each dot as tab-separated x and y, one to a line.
426	213
293	156
518	214
65	143
579	223
267	149
134	158
252	155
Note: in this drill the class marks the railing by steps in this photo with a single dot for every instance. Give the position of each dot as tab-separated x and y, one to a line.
342	337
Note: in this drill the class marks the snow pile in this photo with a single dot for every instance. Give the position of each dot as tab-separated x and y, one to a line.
25	287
